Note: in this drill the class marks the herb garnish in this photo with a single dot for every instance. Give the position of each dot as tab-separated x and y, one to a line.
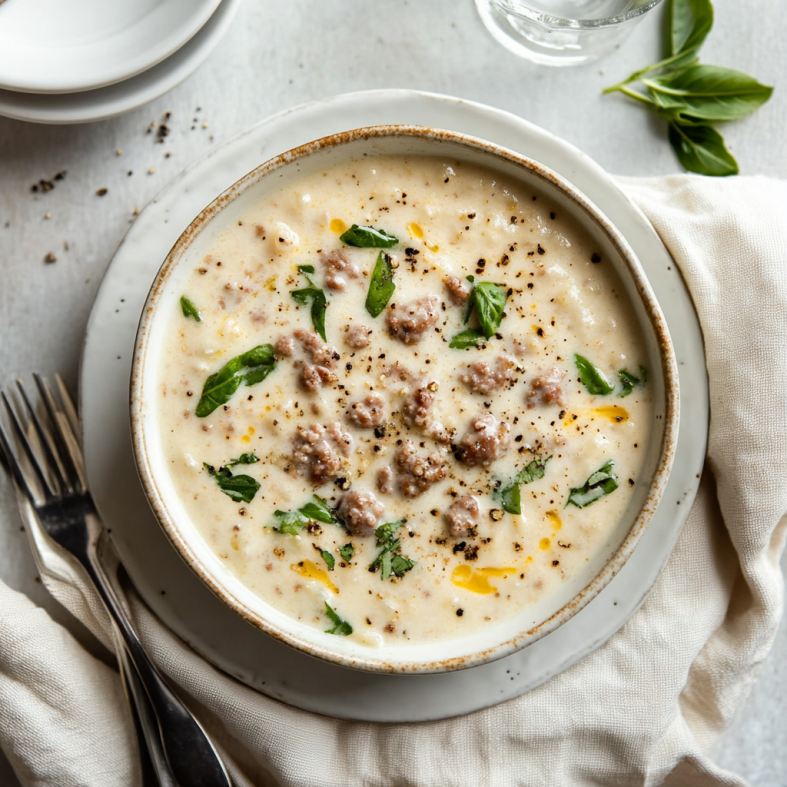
601	483
368	238
328	558
390	560
241	488
251	367
592	378
688	94
189	309
347	552
509	495
292	522
340	626
630	382
381	285
316	297
488	301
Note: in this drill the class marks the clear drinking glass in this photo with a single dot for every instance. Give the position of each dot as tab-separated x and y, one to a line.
562	32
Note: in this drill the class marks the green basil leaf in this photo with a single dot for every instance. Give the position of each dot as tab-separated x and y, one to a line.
328	558
701	149
347	552
290	522
340	626
319	306
385	564
381	285
385	533
368	238
709	92
243	459
240	488
189	309
469	338
628	381
489	300
591	377
510	496
600	484
308	271
251	367
690	22
318	510
400	565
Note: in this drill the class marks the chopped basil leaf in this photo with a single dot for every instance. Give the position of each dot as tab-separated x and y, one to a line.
240	488
292	522
469	338
319	306
189	309
390	560
490	301
381	286
347	552
251	367
368	238
328	558
591	377
340	626
509	495
243	459
630	382
307	271
601	483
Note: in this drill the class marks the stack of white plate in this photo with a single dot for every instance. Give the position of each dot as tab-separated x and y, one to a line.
83	60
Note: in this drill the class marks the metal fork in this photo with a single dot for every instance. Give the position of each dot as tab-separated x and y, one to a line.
55	470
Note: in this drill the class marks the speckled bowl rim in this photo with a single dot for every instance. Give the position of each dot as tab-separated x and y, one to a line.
380	664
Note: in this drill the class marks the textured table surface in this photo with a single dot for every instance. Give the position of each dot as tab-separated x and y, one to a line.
277	55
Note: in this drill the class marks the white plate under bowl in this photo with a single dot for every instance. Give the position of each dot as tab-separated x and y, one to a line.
51	46
129	94
176	594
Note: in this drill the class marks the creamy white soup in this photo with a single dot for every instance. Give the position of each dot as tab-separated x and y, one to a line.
404	399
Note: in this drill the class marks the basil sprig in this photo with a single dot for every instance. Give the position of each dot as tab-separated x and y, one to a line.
603	482
510	496
488	301
390	560
469	338
347	552
592	378
368	238
690	95
340	626
630	382
251	367
381	285
329	559
189	309
316	297
240	488
292	522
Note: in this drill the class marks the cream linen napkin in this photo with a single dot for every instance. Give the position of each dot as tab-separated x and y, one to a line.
641	710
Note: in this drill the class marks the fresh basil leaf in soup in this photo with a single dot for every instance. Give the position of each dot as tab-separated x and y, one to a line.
400	565
600	484
381	285
628	381
340	626
243	459
709	92
240	488
701	149
251	367
689	21
489	302
386	533
318	509
289	522
385	564
510	496
328	558
591	377
308	272
469	338
368	238
386	561
189	309
347	552
319	306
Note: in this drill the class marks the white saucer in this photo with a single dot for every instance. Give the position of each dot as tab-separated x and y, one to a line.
180	598
126	95
51	46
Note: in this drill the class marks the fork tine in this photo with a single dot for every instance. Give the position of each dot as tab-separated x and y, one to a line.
28	449
52	460
9	461
69	408
61	443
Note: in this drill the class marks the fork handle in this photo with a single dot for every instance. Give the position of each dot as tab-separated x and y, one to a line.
191	756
